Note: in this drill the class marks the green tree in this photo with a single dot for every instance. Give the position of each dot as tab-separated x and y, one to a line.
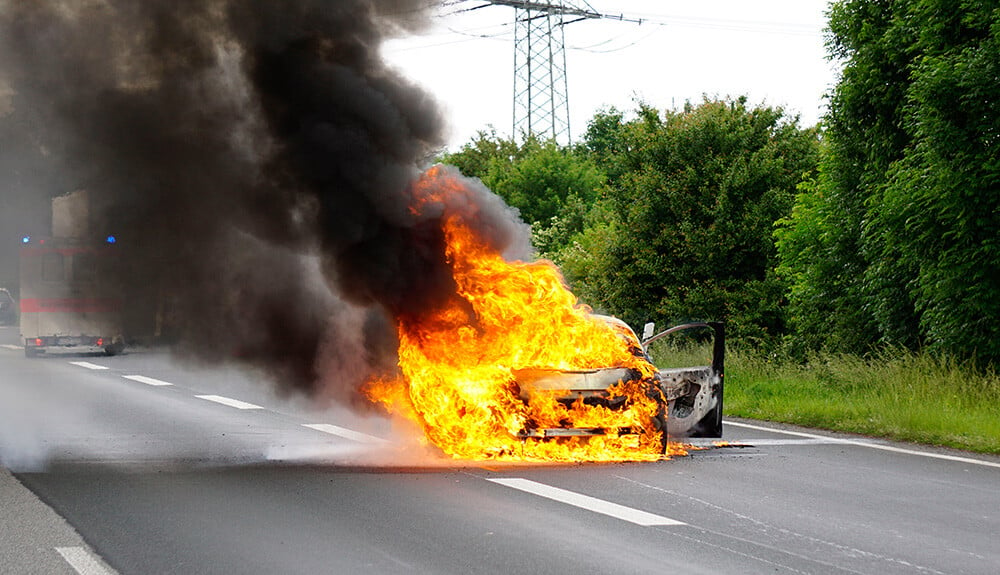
544	178
897	240
553	187
941	206
694	207
826	249
604	141
486	153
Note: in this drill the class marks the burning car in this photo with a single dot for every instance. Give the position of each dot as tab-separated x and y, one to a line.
509	365
690	398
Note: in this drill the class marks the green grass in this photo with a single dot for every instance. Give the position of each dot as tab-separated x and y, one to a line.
897	395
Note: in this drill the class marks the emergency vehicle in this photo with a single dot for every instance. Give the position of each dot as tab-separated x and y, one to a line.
68	302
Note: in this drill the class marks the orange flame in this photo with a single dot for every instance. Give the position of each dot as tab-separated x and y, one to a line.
457	364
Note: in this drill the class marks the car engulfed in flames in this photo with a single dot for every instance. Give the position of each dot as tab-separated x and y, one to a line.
689	398
510	366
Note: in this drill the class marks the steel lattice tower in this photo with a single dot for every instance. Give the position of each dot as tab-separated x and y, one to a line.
541	99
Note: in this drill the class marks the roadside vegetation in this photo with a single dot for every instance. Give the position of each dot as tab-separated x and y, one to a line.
855	263
895	394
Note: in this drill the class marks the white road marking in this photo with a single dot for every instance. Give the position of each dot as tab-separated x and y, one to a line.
803	441
754	442
147	380
88	365
871	445
345	433
230	402
13	347
586	502
82	561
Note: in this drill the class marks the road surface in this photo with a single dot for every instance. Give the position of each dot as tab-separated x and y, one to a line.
165	468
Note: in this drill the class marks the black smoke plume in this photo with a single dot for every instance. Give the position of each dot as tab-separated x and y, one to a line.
255	158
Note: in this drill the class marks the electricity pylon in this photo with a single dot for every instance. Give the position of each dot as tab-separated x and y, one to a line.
541	99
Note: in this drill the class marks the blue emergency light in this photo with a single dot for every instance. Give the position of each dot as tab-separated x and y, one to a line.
111	239
26	240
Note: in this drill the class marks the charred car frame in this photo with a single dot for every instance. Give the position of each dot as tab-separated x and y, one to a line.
690	397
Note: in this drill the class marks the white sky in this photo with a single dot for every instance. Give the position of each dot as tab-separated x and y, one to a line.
770	50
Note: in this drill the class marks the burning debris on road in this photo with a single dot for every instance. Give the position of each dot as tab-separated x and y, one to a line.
261	167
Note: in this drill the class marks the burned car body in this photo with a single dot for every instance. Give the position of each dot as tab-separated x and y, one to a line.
690	397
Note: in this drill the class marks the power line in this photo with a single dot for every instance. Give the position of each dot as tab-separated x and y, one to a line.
540	98
619	48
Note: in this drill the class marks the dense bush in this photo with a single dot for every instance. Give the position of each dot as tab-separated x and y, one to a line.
686	229
897	241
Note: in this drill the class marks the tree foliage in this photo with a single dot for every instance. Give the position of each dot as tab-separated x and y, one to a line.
485	154
693	199
667	216
897	239
552	187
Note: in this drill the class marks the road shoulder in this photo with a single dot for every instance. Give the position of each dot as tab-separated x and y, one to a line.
34	539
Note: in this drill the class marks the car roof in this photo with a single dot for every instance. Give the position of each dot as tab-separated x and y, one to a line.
613	321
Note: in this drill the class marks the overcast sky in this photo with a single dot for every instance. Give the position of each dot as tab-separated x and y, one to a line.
770	50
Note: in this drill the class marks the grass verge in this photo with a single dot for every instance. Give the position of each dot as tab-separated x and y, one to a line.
897	395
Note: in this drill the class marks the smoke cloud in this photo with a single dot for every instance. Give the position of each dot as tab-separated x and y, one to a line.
255	160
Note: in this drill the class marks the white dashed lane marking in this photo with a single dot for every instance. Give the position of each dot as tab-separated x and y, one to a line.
147	380
87	365
324	427
82	561
345	433
228	401
13	347
586	502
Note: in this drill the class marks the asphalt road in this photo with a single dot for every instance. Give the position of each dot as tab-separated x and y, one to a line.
162	468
